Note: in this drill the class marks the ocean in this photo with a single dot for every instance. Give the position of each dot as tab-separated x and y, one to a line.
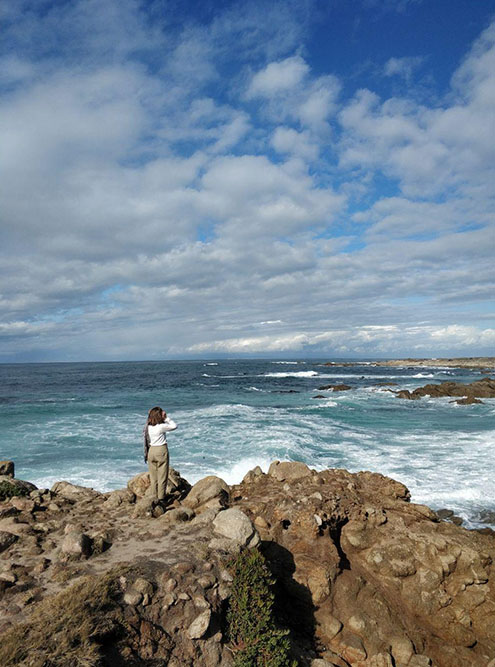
82	422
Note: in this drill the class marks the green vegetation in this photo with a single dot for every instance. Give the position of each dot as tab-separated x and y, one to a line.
256	640
64	629
7	490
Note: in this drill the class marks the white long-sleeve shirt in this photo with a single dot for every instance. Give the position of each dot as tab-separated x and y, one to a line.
158	432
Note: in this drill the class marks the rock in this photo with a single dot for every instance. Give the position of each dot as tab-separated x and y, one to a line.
402	650
120	497
7	468
468	393
6	540
335	387
210	492
76	544
330	627
143	586
144	507
74	492
469	400
133	597
405	393
234	525
253	475
445	514
200	625
288	470
177	515
319	396
22	503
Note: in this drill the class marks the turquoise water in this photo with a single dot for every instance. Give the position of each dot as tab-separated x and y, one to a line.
83	421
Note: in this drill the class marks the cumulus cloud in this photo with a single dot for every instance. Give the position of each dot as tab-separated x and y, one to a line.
201	190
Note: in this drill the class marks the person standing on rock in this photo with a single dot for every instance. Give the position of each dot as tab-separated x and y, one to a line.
156	450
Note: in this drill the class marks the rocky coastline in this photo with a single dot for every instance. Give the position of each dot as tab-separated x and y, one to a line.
363	577
459	362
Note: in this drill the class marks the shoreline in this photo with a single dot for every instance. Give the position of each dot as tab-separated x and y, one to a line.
339	546
450	362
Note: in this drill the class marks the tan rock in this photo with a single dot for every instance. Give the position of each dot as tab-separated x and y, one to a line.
210	492
288	470
234	525
200	625
74	492
76	544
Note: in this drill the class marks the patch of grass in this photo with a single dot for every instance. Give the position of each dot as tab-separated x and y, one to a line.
255	639
65	629
8	490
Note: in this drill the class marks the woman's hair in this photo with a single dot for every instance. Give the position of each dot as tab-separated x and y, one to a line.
155	416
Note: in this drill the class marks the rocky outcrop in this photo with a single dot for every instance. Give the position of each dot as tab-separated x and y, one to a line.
484	388
363	576
459	362
335	387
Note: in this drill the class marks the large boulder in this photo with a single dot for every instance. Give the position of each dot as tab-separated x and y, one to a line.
210	492
74	492
236	527
76	545
177	486
288	470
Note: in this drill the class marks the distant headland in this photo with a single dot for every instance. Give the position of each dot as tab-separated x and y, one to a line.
451	362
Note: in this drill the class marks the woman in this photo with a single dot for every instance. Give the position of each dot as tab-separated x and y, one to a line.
156	450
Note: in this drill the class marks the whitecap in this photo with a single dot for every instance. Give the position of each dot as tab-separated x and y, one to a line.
296	374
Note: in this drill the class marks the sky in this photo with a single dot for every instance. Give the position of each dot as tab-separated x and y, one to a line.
300	178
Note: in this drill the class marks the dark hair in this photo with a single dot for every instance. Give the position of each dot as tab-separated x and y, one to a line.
155	416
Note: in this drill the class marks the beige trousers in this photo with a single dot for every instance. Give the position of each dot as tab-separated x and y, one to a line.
158	467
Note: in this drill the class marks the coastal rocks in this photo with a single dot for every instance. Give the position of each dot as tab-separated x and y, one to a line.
335	387
200	625
6	539
469	400
237	530
209	493
459	362
76	545
377	579
73	491
469	393
7	468
288	470
363	576
120	497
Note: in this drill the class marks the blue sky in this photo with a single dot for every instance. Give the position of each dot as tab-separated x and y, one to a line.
229	178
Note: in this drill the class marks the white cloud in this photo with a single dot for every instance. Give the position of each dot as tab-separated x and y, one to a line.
150	207
278	77
403	67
